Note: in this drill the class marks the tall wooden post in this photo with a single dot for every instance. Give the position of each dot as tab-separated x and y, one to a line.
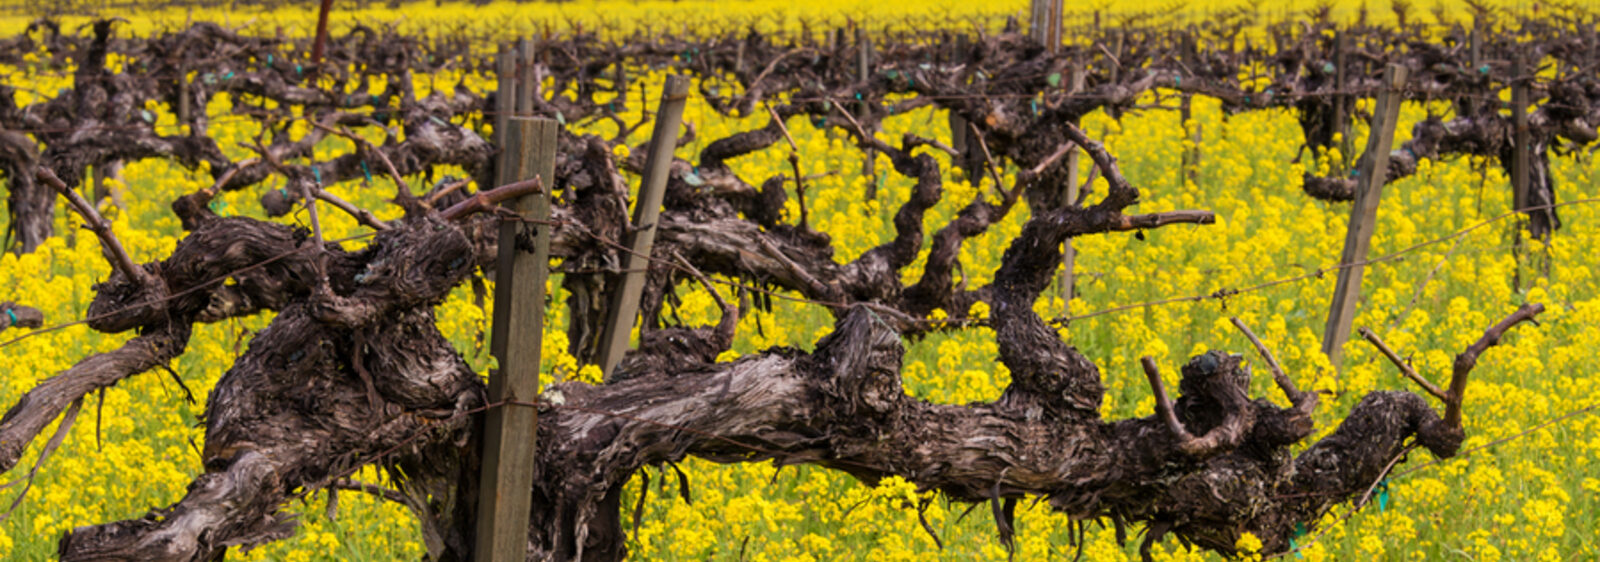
183	100
1521	160
863	74
1372	172
623	308
1190	155
509	431
1044	23
1343	103
322	34
1520	155
1116	49
959	135
528	148
1069	255
505	105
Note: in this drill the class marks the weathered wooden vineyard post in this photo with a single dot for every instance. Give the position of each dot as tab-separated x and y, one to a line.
505	104
623	308
1044	23
1521	160
1190	155
183	98
863	74
1343	103
1066	285
102	191
620	102
962	136
508	447
1371	172
958	124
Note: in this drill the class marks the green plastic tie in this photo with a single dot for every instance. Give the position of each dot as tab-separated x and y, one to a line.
1299	531
13	316
1383	495
317	172
367	171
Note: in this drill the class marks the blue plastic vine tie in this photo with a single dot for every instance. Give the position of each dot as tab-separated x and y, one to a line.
1299	531
269	60
1035	105
1177	81
315	171
366	170
13	316
1383	495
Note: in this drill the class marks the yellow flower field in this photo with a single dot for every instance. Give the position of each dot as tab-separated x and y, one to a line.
1531	498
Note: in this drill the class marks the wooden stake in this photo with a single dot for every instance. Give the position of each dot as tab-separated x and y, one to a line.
864	73
322	35
1069	255
1372	172
505	104
959	136
509	431
1521	160
1342	104
623	310
1520	155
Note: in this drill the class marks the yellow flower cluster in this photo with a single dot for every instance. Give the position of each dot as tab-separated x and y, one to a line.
1532	498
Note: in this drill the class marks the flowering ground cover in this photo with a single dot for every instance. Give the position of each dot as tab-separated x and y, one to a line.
1453	273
